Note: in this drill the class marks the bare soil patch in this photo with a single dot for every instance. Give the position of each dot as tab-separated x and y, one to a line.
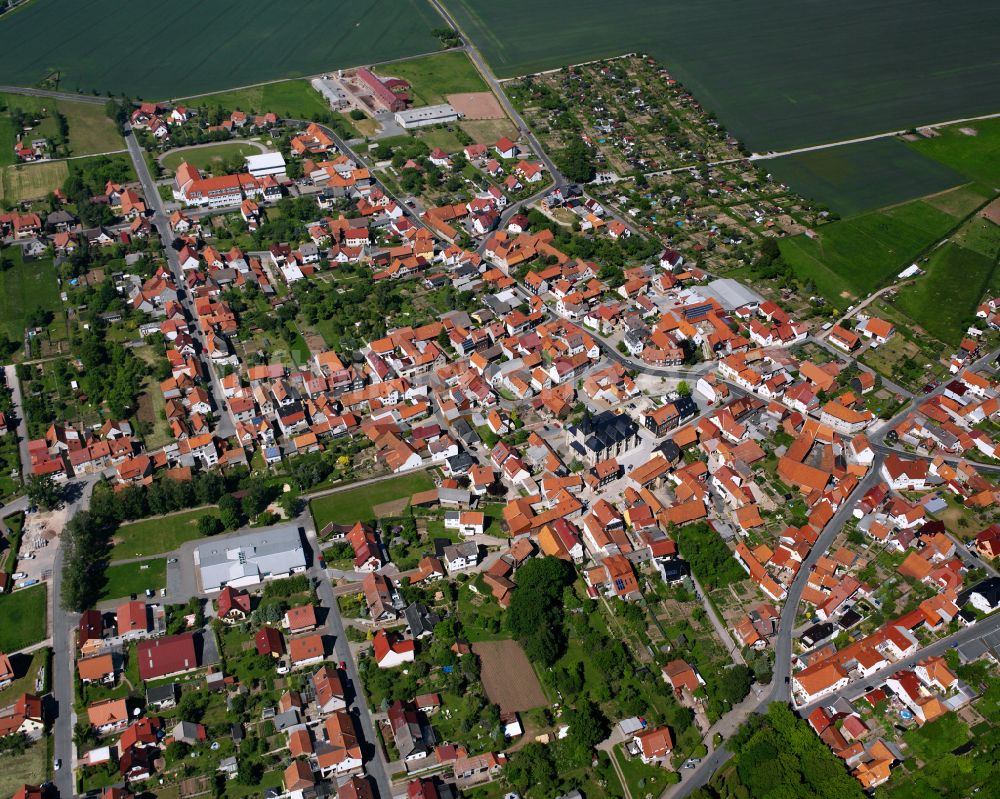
508	677
477	105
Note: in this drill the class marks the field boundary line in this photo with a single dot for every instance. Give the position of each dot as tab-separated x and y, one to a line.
313	76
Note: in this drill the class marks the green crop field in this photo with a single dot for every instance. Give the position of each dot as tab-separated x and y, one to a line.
977	157
158	50
205	157
781	74
288	98
25	617
433	77
156	536
944	301
356	504
23	288
852	257
865	176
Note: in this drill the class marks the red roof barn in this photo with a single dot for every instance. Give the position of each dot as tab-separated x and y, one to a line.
164	656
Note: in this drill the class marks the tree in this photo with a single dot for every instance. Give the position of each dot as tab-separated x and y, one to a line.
229	512
576	161
734	683
535	614
532	771
43	492
587	728
684	389
209	525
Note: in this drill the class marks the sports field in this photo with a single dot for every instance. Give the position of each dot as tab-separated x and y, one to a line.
206	157
852	257
865	176
433	77
780	74
156	50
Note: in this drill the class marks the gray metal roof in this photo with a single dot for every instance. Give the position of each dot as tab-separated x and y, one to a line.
251	557
730	293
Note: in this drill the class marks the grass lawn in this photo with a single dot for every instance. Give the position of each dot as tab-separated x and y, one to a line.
488	131
347	507
289	98
155	536
205	157
10	460
26	682
31	767
640	778
23	288
432	78
148	411
944	300
90	129
937	737
977	156
134	578
979	235
865	176
32	181
25	615
441	137
14	523
240	42
852	257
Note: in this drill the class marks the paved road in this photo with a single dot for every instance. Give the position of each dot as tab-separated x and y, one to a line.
224	423
29	92
780	686
346	149
375	766
62	678
10	372
497	89
855	688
